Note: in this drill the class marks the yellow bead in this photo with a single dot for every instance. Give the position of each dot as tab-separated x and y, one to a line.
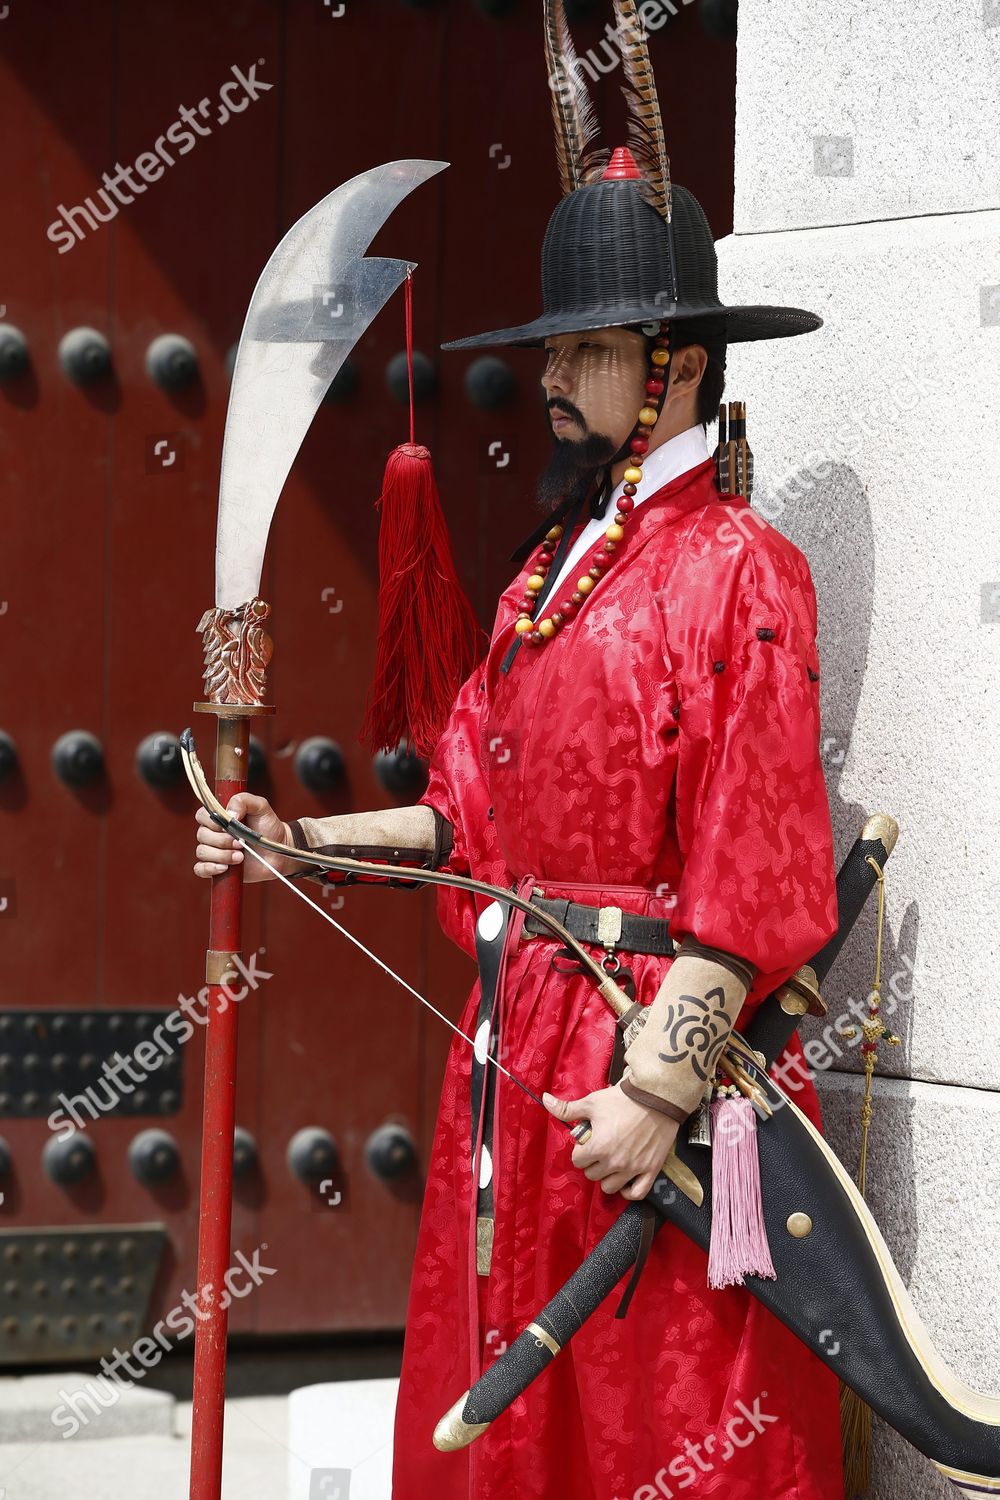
523	624
660	356
632	475
546	627
615	533
535	582
554	534
584	584
648	416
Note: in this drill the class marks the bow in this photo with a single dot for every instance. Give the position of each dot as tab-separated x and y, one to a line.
615	996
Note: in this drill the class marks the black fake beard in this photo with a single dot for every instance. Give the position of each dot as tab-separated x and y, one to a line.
573	469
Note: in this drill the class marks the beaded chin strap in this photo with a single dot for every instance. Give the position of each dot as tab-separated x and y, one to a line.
537	634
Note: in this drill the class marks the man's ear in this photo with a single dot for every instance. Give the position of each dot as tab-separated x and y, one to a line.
688	366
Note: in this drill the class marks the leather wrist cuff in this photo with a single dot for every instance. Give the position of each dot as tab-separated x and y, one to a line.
298	837
691	948
663	1106
444	837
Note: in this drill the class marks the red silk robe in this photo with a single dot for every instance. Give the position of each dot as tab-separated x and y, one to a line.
660	754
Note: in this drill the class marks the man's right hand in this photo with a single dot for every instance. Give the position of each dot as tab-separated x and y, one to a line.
217	850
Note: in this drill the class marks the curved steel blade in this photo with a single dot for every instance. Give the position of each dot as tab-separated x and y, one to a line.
315	298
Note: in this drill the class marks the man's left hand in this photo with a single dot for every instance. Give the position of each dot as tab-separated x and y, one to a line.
629	1144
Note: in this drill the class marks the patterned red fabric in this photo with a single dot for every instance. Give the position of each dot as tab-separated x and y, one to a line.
660	754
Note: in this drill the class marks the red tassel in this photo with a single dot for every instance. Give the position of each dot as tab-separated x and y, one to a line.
427	634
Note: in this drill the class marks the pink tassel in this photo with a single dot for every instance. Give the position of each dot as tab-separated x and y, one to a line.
738	1246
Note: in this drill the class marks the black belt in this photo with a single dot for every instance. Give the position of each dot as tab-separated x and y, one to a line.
609	926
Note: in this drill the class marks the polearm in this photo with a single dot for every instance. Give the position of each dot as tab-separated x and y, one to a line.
315	297
834	1269
218	1121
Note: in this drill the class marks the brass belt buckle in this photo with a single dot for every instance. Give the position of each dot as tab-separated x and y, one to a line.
609	926
526	935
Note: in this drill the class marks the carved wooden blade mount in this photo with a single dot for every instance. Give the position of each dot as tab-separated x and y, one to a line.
237	652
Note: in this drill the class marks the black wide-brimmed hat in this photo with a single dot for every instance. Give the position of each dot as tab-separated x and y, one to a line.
626	246
606	263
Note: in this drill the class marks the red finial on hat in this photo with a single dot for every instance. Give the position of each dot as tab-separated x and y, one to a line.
621	167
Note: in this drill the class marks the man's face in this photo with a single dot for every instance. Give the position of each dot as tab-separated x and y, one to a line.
594	383
594	386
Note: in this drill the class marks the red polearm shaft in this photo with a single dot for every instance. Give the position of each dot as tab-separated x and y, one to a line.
215	1212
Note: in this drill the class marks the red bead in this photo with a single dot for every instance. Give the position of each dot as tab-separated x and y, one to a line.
568	608
545	556
601	561
654	387
626	504
663	341
639	445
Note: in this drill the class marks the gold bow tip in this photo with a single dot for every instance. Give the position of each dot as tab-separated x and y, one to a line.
453	1432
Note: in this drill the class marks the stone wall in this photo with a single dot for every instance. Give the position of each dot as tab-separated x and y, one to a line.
868	191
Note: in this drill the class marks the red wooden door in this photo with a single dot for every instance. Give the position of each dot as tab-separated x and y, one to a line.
106	541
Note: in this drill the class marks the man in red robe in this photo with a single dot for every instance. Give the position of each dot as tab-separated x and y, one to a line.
577	770
641	738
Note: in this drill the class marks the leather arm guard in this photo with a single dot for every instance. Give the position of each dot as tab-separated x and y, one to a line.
394	836
671	1061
